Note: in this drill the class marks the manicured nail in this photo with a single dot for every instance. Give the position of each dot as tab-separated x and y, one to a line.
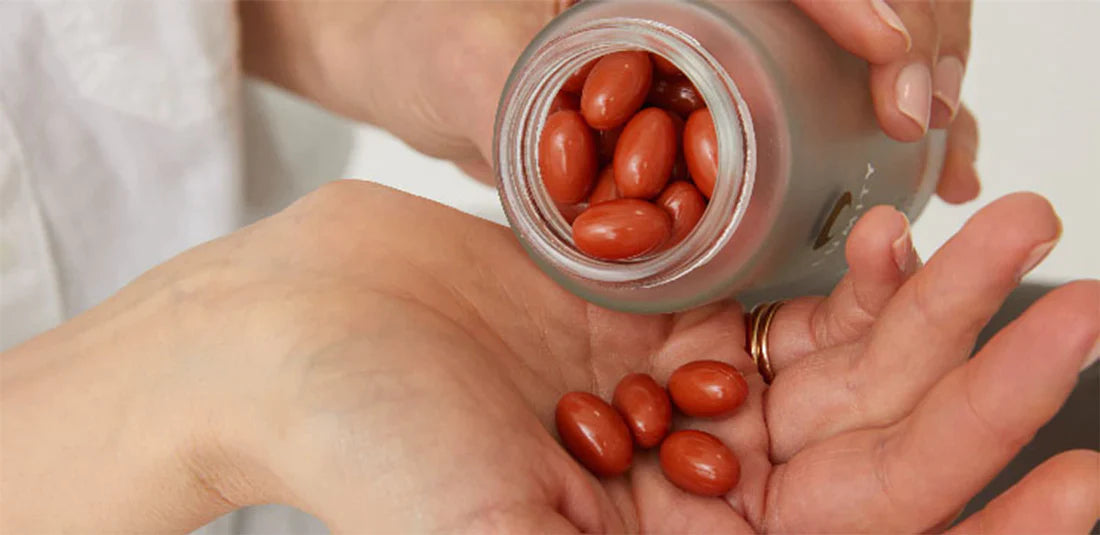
891	19
1036	256
913	93
948	82
903	246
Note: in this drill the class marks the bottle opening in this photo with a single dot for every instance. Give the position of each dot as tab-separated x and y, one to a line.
539	78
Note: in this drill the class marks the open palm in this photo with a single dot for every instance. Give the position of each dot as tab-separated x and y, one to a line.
430	404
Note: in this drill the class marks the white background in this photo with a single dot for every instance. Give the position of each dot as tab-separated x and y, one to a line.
1033	81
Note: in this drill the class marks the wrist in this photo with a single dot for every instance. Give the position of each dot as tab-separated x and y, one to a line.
102	432
278	43
292	44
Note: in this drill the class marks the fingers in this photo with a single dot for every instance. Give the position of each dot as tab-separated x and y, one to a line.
932	324
902	89
959	179
584	501
716	332
664	508
918	51
869	29
880	258
1062	495
908	476
977	418
928	328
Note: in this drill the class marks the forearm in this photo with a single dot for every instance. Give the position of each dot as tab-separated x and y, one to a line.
94	438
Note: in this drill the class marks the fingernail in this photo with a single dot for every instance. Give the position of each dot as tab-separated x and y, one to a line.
914	93
948	82
891	18
1036	256
903	246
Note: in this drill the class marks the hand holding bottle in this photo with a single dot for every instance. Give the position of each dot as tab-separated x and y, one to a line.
432	72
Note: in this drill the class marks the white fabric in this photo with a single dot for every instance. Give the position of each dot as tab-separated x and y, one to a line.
120	146
126	146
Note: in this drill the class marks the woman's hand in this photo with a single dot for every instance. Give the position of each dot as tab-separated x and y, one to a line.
432	72
389	364
876	420
918	51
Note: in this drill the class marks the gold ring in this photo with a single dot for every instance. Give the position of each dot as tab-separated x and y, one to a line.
759	323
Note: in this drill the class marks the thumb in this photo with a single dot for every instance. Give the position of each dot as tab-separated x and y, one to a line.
493	40
880	258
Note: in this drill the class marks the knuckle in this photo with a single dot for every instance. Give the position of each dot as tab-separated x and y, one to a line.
336	202
342	191
880	466
953	19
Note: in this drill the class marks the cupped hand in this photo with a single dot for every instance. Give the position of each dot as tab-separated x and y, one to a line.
419	356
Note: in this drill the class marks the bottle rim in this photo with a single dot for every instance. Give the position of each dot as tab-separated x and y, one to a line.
538	76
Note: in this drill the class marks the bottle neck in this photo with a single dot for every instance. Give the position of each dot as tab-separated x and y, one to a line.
570	42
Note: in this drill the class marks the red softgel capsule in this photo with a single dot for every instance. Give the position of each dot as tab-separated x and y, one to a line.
565	101
575	82
677	95
707	388
645	407
621	229
699	463
606	141
701	150
567	157
679	169
685	205
570	211
616	88
664	67
594	433
605	189
645	154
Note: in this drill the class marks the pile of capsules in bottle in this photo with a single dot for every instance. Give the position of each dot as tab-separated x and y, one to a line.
602	437
629	155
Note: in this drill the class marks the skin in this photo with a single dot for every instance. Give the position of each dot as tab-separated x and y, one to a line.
440	95
261	367
931	30
343	355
